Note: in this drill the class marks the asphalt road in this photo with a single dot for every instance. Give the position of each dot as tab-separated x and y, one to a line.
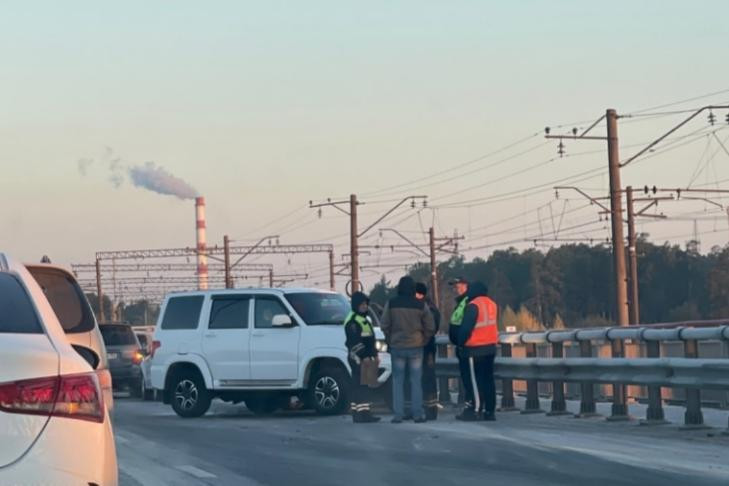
230	446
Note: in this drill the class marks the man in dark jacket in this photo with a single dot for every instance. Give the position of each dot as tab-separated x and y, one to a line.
360	343
460	286
477	337
408	326
430	384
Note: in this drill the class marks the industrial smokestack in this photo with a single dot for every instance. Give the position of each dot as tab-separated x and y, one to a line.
202	258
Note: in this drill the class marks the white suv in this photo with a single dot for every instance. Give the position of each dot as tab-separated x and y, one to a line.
260	346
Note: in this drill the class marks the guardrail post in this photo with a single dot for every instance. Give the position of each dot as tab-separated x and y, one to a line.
559	405
507	386
587	402
532	402
654	414
694	417
619	410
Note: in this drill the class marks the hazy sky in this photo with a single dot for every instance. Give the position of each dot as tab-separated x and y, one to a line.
262	106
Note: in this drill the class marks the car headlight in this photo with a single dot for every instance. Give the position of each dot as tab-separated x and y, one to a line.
381	346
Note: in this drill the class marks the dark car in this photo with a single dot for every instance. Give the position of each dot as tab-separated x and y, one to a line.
125	357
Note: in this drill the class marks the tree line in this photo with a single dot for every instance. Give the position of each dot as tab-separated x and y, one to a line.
572	285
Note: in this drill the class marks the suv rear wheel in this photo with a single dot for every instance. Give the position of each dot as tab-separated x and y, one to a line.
189	396
328	390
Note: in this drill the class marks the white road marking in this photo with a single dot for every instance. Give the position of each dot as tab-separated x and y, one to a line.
120	440
198	473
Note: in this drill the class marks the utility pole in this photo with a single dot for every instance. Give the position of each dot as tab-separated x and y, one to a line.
616	217
332	283
354	233
270	278
633	301
620	395
433	269
226	262
99	295
353	242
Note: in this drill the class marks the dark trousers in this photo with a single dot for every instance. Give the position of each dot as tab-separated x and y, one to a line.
465	370
360	395
430	384
481	375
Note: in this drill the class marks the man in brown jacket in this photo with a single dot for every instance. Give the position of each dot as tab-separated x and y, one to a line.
408	326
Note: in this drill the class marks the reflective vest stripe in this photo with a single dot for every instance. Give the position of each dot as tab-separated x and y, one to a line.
364	324
457	316
486	331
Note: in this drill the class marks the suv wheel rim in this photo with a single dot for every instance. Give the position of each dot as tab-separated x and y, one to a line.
326	392
186	394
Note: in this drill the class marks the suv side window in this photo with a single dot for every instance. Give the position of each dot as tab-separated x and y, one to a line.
229	312
182	313
266	308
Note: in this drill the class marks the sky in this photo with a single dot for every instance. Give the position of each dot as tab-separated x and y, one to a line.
263	106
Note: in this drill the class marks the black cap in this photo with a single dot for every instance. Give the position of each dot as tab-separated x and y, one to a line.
421	288
458	280
358	298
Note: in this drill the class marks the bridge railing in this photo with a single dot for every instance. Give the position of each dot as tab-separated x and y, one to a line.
649	363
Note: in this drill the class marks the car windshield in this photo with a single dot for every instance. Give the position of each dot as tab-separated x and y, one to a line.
319	308
117	335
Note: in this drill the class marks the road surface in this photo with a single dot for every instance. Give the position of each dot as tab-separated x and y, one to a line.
230	446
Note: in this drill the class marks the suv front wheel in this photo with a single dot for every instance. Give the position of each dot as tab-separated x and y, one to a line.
328	391
189	396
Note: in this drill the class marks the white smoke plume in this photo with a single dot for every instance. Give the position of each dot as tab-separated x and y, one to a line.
156	179
147	176
84	164
116	170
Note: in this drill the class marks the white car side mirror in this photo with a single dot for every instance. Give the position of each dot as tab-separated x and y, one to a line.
281	320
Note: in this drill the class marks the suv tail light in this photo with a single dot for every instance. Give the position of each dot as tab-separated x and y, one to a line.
155	346
71	396
137	357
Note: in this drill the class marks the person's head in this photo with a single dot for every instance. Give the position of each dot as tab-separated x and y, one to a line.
421	291
477	289
459	285
360	303
406	287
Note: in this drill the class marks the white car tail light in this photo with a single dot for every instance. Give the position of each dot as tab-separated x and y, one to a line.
70	396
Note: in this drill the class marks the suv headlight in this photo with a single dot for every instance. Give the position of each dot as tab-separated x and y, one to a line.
381	346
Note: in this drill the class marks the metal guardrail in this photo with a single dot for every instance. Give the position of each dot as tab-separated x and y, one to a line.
690	372
665	372
637	333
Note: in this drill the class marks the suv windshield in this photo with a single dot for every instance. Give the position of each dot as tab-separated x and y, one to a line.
66	299
118	335
319	308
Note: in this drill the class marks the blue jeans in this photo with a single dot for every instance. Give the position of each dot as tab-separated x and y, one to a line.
412	359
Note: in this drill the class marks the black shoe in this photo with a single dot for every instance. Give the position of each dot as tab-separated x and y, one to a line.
420	420
468	415
431	413
489	416
396	420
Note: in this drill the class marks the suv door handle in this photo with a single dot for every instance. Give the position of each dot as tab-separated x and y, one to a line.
258	334
211	334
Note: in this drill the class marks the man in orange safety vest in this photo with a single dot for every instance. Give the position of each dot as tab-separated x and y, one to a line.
478	337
